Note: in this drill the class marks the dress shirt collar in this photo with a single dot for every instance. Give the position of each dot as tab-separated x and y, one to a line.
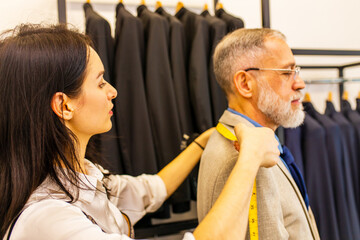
256	124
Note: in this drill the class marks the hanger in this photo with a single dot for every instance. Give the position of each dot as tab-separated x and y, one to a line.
179	6
330	97
158	4
205	7
307	97
345	95
120	1
87	1
219	5
358	95
142	2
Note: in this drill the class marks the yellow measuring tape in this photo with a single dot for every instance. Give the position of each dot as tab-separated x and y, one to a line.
253	219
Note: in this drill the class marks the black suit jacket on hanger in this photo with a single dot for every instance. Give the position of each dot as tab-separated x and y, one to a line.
98	29
160	93
197	57
318	178
217	30
358	105
159	87
181	198
131	110
177	61
347	141
335	162
232	22
354	119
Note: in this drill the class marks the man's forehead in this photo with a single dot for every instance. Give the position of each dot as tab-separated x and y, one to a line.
278	52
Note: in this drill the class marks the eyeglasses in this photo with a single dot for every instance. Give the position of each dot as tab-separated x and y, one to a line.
294	73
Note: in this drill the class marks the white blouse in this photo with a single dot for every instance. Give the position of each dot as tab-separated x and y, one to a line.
48	215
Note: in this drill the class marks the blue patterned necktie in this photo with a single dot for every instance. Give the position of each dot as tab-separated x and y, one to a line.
295	173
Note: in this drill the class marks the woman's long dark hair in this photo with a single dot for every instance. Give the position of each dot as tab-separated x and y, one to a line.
35	63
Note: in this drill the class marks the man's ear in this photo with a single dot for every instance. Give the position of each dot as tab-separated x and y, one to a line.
61	106
243	83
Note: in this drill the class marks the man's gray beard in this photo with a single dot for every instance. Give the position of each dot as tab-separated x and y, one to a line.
278	110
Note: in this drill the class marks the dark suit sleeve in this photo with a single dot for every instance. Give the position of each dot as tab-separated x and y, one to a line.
354	119
217	30
131	110
98	29
319	183
198	77
181	198
346	132
335	161
358	105
159	87
197	42
178	70
161	98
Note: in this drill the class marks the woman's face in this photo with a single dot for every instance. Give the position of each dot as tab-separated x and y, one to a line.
93	108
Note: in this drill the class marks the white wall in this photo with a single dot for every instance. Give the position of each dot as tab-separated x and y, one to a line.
14	12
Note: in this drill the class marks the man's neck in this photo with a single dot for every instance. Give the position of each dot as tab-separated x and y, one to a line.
255	114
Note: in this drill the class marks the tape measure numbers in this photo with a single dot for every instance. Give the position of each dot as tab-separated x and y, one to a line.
253	219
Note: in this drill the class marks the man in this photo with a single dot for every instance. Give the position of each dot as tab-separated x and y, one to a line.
257	71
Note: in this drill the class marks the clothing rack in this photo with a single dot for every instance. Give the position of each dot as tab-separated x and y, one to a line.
341	79
331	81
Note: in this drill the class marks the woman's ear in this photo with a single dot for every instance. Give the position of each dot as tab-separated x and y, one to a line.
243	83
61	106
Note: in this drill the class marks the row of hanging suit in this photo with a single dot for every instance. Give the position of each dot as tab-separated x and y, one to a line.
161	67
326	147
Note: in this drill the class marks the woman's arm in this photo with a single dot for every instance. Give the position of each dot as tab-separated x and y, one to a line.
177	170
228	218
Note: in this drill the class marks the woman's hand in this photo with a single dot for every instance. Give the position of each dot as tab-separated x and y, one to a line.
259	142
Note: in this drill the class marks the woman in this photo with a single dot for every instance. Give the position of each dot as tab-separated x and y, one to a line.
53	99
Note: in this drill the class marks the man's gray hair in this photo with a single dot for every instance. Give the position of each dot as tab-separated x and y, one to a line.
239	50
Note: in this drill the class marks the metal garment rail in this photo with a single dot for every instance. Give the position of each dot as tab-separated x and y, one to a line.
341	79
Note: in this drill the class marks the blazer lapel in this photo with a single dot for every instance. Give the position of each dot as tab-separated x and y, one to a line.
286	172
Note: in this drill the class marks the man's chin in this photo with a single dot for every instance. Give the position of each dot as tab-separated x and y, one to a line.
295	120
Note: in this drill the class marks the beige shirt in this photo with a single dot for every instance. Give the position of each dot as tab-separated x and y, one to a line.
48	215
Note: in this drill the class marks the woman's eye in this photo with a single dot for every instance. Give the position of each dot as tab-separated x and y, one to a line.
102	85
